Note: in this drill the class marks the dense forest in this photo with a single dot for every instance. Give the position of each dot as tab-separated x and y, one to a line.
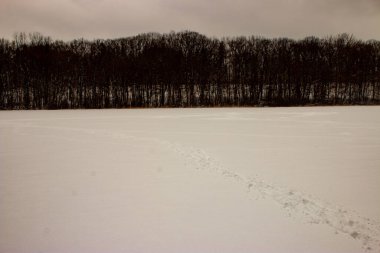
187	69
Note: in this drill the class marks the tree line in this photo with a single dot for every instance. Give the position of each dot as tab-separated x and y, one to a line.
187	69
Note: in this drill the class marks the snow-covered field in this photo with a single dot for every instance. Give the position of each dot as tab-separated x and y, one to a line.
190	180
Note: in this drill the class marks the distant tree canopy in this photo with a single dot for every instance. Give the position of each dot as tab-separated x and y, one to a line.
187	69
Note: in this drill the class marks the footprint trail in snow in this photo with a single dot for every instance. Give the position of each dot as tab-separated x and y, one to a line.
315	211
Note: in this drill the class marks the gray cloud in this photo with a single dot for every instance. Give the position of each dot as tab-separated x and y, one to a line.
68	19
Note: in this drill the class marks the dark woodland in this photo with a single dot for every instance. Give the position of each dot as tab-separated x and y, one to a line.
187	69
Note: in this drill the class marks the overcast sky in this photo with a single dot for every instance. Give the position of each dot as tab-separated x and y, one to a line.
69	19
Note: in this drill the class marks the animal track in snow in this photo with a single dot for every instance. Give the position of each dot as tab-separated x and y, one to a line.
315	211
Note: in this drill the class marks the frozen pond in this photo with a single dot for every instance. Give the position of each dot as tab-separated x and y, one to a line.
303	179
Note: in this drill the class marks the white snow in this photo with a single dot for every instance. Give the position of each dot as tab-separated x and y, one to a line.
191	180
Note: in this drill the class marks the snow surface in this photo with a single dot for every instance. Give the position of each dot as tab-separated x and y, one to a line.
190	180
